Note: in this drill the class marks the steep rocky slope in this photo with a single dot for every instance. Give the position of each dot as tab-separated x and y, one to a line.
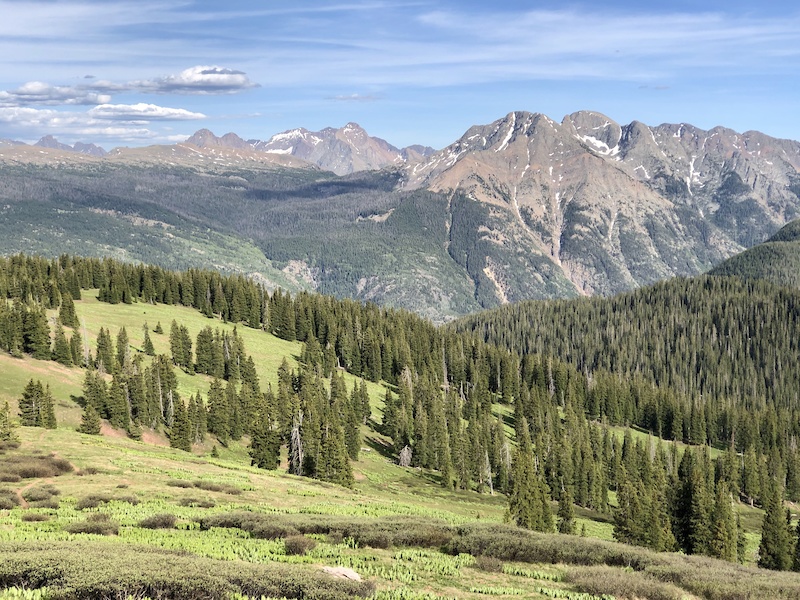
620	206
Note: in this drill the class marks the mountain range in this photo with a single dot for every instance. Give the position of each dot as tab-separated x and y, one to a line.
524	207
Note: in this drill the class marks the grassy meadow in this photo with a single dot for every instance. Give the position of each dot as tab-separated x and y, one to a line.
109	517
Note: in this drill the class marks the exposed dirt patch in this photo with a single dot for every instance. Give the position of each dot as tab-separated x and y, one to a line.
108	431
149	437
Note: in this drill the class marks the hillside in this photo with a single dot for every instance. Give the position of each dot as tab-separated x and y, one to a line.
777	260
179	526
489	435
390	525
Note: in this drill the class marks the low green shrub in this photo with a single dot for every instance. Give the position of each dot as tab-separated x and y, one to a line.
8	499
9	477
159	521
510	543
489	564
49	503
97	524
44	492
93	501
299	545
180	483
34	517
9	445
272	531
35	466
197	502
212	486
79	570
374	533
620	583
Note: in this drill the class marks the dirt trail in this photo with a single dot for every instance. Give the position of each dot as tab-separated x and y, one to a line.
39	480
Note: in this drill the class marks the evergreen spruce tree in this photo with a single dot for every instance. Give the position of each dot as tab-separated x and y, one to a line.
235	414
118	413
796	556
525	506
134	430
30	405
7	426
723	543
90	420
62	353
265	445
147	344
36	333
76	348
775	550
48	411
630	520
104	359
352	421
67	314
333	464
179	435
123	347
218	412
566	513
741	540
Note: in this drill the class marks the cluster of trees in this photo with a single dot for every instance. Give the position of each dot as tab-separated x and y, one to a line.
450	394
37	407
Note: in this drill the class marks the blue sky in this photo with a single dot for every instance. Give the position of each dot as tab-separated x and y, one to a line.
141	72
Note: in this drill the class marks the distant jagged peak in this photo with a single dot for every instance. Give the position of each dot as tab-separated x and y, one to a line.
6	143
52	143
206	139
91	149
342	150
598	132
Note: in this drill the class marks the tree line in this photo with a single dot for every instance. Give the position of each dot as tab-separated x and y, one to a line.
450	396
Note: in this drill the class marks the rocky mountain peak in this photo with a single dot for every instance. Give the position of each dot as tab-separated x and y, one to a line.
49	141
206	139
90	149
599	197
343	150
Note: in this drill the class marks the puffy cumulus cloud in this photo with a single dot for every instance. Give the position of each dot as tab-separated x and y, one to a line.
43	94
198	80
142	113
118	123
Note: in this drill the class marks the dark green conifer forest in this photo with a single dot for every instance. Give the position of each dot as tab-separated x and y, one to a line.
708	362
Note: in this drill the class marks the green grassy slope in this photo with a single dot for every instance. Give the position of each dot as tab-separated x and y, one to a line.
121	469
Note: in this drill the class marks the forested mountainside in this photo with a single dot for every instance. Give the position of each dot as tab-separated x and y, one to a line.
716	339
349	236
523	208
451	400
776	260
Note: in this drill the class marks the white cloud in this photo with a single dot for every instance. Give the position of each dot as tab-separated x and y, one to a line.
39	93
112	122
198	80
142	112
